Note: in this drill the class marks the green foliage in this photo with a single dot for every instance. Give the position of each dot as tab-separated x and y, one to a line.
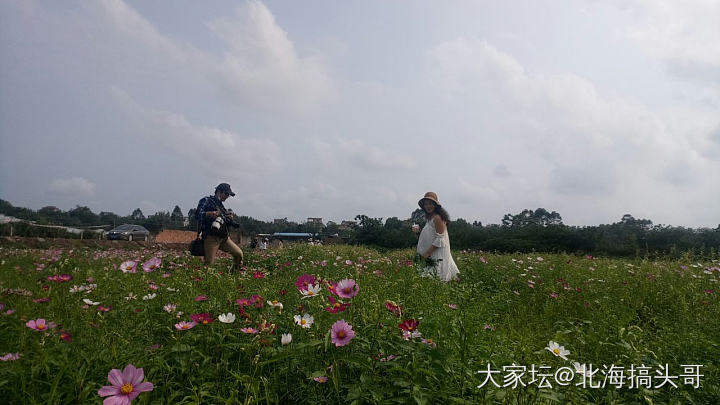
604	311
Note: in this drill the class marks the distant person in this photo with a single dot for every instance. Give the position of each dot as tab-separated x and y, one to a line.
253	243
264	244
433	240
213	217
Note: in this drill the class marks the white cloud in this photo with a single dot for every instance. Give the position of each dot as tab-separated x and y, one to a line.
565	138
360	155
260	67
215	151
75	186
261	64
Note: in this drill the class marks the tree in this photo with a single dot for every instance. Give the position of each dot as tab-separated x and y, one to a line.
418	217
109	218
82	216
193	221
177	217
137	215
540	217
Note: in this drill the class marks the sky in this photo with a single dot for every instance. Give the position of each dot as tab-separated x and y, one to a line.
590	108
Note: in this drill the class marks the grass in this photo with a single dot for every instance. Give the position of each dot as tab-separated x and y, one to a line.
508	307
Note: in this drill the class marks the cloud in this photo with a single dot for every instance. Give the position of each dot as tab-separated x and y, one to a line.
358	154
262	66
74	186
564	137
217	152
501	171
685	35
259	68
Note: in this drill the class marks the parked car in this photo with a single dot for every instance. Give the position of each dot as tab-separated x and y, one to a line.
129	232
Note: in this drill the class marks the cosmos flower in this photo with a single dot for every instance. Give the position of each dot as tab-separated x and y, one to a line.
304	281
39	324
90	302
226	318
129	266
305	321
152	264
203	318
169	308
409	325
11	357
311	291
557	350
251	331
347	288
286	338
336	306
185	325
149	296
126	386
393	307
341	333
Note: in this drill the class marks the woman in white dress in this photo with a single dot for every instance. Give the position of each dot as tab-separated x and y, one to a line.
434	242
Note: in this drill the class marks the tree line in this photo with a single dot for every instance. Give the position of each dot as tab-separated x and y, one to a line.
530	230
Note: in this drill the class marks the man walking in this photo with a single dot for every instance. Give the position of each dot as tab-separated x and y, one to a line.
212	215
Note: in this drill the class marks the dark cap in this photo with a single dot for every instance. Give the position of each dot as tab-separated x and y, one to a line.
225	188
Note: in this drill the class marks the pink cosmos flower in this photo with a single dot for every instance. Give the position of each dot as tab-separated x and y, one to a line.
257	300
152	264
258	274
483	260
166	275
41	300
347	288
10	357
129	266
321	379
341	333
336	306
488	327
104	309
9	312
64	277
203	318
249	330
65	335
244	302
126	386
304	281
452	306
40	324
323	263
185	325
200	298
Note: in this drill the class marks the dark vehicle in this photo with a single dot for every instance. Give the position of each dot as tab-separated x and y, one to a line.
129	232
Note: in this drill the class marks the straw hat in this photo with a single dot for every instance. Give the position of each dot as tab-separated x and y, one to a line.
429	196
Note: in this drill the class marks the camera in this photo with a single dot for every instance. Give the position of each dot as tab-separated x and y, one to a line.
218	222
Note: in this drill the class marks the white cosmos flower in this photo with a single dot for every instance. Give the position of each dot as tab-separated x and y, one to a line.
172	289
305	321
90	302
557	350
579	368
286	338
170	308
311	291
131	296
149	296
275	304
226	318
75	289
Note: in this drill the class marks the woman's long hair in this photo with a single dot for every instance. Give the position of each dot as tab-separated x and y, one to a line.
440	211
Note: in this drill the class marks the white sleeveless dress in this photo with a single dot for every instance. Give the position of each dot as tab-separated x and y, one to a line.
446	268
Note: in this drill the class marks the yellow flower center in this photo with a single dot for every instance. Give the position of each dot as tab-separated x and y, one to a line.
556	351
310	292
347	290
341	334
186	326
205	322
275	302
126	389
303	322
40	326
336	305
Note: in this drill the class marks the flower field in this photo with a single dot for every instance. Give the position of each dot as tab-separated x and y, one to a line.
342	324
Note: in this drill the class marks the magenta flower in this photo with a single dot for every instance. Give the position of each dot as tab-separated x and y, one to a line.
341	333
201	297
129	266
304	281
203	318
347	288
152	264
126	385
249	330
322	379
409	325
336	306
39	324
64	277
185	325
